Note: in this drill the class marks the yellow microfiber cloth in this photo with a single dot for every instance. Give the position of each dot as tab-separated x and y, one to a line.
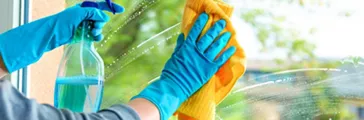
202	105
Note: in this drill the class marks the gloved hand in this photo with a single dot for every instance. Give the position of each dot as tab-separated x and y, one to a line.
24	45
192	64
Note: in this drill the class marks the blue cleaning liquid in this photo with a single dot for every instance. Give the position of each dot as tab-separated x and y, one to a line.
79	93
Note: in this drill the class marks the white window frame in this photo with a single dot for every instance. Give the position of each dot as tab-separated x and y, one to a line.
15	13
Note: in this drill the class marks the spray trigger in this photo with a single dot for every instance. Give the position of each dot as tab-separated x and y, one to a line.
109	3
95	5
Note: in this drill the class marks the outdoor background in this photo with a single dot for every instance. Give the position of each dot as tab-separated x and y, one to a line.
305	57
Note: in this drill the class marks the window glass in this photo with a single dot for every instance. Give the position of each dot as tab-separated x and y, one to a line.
7	77
305	58
11	15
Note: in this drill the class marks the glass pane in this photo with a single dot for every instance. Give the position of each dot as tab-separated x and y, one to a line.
136	46
14	81
7	77
305	58
9	10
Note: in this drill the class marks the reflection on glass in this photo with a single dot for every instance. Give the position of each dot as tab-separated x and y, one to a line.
305	58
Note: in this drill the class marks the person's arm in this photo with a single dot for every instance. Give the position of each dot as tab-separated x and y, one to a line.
14	106
192	64
59	29
145	109
3	71
22	46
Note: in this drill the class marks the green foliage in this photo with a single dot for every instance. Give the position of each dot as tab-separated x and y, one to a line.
300	52
131	63
283	38
233	107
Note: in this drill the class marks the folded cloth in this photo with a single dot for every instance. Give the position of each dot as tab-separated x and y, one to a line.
202	105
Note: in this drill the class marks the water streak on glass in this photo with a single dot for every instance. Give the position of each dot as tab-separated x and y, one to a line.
305	59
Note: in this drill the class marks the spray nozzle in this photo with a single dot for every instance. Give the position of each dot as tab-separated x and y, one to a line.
95	5
109	3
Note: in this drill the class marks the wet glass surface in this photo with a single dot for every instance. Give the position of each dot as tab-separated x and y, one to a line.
305	58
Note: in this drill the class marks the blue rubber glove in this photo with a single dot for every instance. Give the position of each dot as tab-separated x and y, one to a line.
25	45
192	64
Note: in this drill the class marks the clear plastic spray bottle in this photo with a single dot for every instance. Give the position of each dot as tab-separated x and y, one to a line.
80	81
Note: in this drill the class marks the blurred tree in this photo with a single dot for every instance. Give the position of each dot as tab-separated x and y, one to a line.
233	108
300	54
138	42
129	67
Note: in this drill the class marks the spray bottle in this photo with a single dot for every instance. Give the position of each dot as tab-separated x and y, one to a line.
80	81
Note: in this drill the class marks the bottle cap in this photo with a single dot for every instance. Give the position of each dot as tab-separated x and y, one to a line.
109	3
95	5
89	4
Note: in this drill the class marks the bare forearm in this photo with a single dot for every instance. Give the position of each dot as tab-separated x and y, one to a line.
145	109
3	70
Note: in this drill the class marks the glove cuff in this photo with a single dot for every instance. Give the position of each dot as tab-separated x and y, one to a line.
21	46
165	95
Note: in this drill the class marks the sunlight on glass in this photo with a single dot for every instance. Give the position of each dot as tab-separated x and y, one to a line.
305	57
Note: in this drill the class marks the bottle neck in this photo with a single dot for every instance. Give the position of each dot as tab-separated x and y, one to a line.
83	34
87	43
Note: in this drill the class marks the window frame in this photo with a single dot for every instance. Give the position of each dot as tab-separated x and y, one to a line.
16	13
